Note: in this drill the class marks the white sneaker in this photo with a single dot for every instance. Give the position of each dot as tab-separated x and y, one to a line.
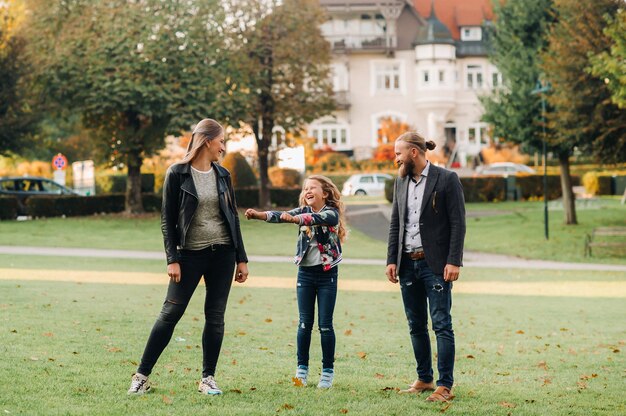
326	379
302	373
208	386
139	384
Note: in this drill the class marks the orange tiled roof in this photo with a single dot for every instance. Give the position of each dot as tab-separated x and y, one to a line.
455	13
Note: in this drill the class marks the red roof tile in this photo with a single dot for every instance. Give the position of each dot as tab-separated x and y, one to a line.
455	13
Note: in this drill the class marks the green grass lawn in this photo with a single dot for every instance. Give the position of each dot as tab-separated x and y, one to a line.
516	230
71	348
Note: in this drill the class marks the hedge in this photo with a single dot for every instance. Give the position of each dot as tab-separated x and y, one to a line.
8	208
116	183
281	197
71	206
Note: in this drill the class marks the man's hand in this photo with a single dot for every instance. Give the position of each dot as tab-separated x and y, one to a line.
241	274
173	271
451	272
391	273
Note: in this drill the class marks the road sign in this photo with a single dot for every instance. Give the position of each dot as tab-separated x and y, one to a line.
59	162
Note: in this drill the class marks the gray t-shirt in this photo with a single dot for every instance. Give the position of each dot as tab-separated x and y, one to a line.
313	256
207	226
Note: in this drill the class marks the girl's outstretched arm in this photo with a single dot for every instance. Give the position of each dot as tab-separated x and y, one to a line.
252	214
329	217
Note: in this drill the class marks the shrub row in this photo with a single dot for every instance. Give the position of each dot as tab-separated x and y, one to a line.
281	197
497	188
114	184
8	208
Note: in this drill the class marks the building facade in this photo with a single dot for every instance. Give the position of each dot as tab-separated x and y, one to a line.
420	62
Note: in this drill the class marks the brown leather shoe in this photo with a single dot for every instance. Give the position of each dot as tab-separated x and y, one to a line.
442	394
419	386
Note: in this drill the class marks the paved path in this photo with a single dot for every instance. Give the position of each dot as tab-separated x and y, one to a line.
471	259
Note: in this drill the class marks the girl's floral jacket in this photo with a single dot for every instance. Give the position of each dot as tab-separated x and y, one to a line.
323	225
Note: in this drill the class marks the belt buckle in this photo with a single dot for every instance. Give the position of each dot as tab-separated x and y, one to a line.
416	255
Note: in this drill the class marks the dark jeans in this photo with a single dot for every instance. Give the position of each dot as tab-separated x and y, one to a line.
217	265
422	290
314	282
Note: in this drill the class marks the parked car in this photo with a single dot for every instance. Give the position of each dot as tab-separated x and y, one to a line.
505	168
366	184
24	187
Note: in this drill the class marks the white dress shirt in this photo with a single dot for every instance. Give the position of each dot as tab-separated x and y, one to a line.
412	237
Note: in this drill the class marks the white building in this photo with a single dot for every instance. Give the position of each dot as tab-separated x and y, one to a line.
410	61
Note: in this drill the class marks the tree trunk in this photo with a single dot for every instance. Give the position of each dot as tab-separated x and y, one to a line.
262	155
134	205
569	203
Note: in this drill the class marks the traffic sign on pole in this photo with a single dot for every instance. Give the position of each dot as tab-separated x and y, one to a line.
59	162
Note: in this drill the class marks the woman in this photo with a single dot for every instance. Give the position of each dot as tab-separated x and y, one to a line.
320	218
202	238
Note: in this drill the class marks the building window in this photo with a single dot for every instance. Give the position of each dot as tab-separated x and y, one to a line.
334	135
496	79
339	74
426	76
388	77
471	33
478	134
474	76
442	78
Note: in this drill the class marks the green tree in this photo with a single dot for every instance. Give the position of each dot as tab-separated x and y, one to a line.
519	36
611	65
582	114
282	70
16	118
134	71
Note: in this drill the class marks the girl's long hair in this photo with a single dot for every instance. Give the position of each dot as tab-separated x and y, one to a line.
205	131
332	200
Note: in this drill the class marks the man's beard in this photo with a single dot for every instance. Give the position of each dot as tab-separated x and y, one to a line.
407	168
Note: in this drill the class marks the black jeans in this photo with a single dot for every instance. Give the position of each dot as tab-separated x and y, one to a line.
314	282
423	290
217	265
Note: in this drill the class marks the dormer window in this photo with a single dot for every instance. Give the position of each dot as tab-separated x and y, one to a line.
471	33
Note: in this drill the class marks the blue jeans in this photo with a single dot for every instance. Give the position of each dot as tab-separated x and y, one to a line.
422	290
314	282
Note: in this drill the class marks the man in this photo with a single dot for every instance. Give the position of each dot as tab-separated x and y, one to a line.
424	254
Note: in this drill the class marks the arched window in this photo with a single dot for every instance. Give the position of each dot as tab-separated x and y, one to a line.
333	133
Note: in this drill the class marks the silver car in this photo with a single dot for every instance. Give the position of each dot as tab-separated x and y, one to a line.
366	184
505	168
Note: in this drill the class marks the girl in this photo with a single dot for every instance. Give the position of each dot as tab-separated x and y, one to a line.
320	217
202	238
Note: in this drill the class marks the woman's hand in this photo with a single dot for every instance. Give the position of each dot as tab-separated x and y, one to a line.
173	271
289	218
241	274
252	214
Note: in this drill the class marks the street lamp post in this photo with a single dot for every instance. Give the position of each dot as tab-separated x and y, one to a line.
541	88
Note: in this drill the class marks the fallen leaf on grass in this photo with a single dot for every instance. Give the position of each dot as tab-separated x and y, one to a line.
344	411
235	391
507	404
469	356
167	400
297	382
519	332
241	333
361	355
234	362
378	375
252	388
48	334
268	320
348	332
543	365
616	350
587	377
445	407
581	385
286	406
546	381
390	388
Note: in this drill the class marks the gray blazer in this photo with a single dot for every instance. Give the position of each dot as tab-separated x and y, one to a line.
442	220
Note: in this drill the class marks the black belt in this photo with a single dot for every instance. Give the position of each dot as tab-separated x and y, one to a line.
416	255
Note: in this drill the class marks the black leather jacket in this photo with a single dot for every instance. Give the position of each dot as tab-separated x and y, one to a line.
180	201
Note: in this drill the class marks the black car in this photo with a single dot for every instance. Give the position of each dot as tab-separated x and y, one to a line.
24	187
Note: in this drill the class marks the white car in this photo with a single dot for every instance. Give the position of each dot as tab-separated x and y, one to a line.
505	168
366	184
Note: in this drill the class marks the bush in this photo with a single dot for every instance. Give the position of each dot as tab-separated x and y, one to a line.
116	183
8	208
241	173
281	197
591	183
71	206
531	186
333	162
484	189
389	189
284	177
